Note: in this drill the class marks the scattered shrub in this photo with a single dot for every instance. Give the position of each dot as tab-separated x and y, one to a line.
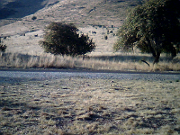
3	48
34	18
61	38
177	80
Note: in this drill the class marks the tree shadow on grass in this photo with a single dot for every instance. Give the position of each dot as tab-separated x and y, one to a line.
129	58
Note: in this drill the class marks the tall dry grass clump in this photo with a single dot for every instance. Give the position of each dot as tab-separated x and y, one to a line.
15	60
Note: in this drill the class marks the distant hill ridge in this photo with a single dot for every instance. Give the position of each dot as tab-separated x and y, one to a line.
15	14
21	8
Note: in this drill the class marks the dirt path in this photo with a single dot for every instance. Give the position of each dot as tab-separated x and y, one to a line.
18	75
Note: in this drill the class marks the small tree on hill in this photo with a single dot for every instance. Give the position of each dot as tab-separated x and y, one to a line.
34	18
153	27
61	38
2	47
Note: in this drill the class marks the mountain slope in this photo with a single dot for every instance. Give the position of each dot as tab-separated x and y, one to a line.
104	12
21	8
19	30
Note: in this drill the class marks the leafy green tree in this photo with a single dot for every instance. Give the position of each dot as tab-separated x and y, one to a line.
153	27
61	38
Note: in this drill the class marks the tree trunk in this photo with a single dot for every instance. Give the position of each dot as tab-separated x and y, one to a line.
155	52
156	58
173	52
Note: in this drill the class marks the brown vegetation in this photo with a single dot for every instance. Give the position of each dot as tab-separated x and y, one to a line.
90	106
120	62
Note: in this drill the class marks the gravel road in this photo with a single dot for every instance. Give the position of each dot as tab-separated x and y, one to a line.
16	76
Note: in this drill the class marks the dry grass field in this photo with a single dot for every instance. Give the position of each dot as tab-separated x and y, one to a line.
116	62
25	52
97	19
79	106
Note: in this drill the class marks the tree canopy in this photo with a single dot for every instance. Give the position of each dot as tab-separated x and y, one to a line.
61	38
153	27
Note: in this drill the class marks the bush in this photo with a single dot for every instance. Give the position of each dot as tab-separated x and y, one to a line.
2	47
34	18
61	38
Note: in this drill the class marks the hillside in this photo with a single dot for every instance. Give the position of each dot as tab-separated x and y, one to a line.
18	9
13	10
103	12
84	13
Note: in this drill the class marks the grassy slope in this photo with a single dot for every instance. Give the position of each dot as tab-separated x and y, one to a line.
76	11
19	8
